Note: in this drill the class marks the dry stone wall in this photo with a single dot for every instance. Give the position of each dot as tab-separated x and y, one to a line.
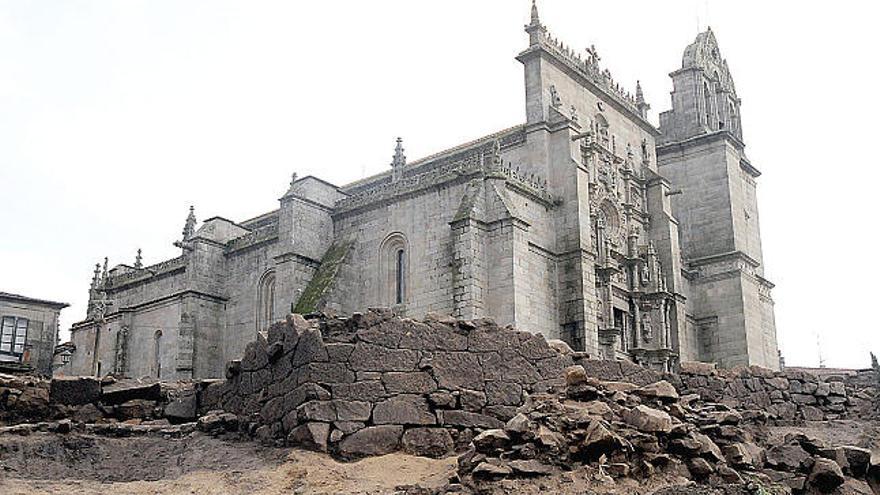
787	396
374	383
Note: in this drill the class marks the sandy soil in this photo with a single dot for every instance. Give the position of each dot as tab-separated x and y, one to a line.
80	464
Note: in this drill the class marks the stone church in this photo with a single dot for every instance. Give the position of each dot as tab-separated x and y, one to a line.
585	223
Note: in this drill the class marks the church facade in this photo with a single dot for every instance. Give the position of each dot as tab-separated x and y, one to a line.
585	223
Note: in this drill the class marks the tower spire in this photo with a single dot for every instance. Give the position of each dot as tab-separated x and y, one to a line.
138	260
641	104
399	161
535	29
189	228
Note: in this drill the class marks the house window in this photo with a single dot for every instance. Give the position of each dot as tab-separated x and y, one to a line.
13	335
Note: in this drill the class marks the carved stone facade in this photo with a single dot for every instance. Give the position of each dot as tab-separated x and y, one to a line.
585	223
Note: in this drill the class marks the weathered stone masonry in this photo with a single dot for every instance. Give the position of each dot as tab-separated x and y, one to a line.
584	222
373	382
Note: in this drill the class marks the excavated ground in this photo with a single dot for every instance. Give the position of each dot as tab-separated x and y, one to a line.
80	464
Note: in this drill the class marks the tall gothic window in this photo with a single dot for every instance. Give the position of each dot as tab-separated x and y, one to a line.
157	355
707	97
398	289
393	265
266	301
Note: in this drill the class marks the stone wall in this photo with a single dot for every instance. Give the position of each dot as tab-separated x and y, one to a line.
787	396
374	383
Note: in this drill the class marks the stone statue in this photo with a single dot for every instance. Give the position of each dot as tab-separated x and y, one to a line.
555	100
647	328
121	350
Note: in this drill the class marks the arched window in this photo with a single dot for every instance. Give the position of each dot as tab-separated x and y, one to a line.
393	267
157	355
266	301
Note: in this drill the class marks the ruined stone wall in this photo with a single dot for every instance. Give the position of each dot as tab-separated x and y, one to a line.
787	396
373	383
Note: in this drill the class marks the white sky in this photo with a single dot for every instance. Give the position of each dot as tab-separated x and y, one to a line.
116	116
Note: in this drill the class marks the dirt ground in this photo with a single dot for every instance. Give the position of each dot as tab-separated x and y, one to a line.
77	464
81	464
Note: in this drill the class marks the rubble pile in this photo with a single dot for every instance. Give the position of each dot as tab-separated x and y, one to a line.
26	399
630	431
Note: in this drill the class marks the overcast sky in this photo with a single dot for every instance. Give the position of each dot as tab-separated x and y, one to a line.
116	116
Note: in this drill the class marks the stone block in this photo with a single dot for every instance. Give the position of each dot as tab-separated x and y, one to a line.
74	391
304	393
352	410
472	400
648	420
434	336
415	382
403	409
370	441
427	442
311	436
455	370
255	355
370	391
369	357
326	373
309	349
468	419
183	408
316	410
503	393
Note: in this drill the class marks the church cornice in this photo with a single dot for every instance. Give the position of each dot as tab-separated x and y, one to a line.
600	83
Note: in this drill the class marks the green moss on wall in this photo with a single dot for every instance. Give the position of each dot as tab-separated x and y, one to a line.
323	278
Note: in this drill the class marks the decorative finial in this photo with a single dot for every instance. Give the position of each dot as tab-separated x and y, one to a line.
105	273
496	153
641	104
96	276
594	55
535	19
399	161
138	260
292	179
189	228
640	97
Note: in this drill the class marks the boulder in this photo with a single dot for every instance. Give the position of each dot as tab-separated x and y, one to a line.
648	420
575	375
826	475
700	468
859	460
790	457
136	409
490	440
183	408
372	440
312	436
74	391
661	390
427	442
518	424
